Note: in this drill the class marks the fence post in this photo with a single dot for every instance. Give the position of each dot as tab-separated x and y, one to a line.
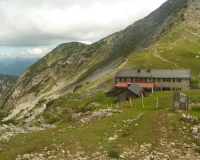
174	101
131	104
142	101
157	103
187	103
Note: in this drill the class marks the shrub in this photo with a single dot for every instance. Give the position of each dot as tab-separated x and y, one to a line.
196	108
77	87
41	101
171	24
50	103
126	134
12	121
113	154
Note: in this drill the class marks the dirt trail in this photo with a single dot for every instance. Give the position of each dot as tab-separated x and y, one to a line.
172	139
156	54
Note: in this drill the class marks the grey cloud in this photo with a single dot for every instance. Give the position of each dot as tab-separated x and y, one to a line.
42	22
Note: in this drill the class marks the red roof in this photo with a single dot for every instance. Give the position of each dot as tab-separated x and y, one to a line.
141	84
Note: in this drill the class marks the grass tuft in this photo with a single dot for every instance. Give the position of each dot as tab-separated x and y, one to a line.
113	154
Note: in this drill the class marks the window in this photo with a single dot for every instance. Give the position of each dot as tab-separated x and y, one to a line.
131	79
148	90
177	80
166	89
157	88
176	89
166	80
157	80
142	80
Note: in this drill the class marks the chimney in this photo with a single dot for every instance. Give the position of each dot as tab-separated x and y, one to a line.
129	84
138	70
172	68
148	70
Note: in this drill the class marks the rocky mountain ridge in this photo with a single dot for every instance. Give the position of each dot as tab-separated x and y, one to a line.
73	64
57	109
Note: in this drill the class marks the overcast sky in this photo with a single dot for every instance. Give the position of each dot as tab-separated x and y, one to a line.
35	27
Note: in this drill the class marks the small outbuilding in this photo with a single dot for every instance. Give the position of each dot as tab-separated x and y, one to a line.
110	93
132	91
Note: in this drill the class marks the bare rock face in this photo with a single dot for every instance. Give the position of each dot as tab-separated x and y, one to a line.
67	63
70	62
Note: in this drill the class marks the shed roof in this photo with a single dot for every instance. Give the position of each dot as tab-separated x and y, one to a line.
134	88
111	90
154	73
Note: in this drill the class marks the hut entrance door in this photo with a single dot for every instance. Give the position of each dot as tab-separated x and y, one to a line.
128	98
143	92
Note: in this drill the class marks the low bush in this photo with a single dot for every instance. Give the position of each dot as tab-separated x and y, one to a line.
195	108
113	154
77	87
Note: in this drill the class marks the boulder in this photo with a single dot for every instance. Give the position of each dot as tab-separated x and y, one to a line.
67	63
183	116
198	139
195	129
75	116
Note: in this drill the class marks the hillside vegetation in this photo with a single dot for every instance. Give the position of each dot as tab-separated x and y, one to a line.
6	81
74	63
59	107
102	128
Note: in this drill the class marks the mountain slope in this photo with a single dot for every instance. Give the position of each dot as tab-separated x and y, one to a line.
6	81
74	63
178	48
145	128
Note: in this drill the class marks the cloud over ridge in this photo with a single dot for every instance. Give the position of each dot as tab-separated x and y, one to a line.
41	22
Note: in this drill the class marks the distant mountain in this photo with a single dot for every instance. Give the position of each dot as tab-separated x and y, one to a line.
1	65
9	61
16	66
74	64
6	81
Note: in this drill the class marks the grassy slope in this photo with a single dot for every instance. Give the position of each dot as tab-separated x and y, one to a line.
177	52
89	138
171	47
